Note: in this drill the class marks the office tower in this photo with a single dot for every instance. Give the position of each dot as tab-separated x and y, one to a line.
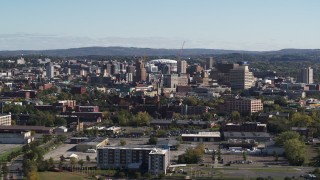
131	69
83	72
129	77
306	75
50	71
166	69
122	68
108	68
209	63
115	68
141	72
241	78
182	67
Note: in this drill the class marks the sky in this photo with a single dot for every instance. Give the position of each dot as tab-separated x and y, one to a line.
258	25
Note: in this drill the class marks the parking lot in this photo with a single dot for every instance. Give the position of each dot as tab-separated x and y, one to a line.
66	150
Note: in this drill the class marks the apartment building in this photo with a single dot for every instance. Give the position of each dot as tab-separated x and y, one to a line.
242	105
5	119
145	159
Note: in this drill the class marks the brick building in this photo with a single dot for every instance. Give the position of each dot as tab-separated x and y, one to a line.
242	105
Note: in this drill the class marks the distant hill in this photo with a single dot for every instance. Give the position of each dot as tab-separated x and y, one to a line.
131	51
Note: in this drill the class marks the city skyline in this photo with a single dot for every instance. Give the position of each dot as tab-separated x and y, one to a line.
236	25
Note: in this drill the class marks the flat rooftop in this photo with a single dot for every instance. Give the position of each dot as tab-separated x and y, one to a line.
158	151
141	147
203	134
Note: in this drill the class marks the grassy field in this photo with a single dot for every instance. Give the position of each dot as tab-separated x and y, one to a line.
312	154
4	156
60	176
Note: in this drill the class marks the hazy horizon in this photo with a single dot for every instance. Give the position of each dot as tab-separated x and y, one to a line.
230	24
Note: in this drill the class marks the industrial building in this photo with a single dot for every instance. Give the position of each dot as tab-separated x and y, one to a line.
18	129
23	137
92	144
257	136
202	137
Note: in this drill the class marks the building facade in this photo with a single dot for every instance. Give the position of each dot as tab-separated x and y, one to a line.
242	105
50	71
23	137
146	159
182	67
141	72
241	78
202	137
5	119
306	75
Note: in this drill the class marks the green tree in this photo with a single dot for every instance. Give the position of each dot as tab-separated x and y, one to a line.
285	136
73	161
143	119
5	170
59	121
137	175
61	138
81	162
301	120
213	157
219	154
62	158
235	116
295	151
46	138
153	140
88	158
51	163
192	156
161	133
122	142
207	116
244	155
191	101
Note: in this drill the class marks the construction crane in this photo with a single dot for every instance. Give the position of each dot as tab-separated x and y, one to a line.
180	52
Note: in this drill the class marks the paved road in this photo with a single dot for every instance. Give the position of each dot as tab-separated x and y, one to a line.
246	171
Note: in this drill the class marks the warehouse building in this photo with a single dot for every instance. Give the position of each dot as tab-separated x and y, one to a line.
202	137
92	144
24	137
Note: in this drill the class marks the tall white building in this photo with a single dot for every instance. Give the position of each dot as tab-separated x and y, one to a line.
306	75
182	67
50	71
